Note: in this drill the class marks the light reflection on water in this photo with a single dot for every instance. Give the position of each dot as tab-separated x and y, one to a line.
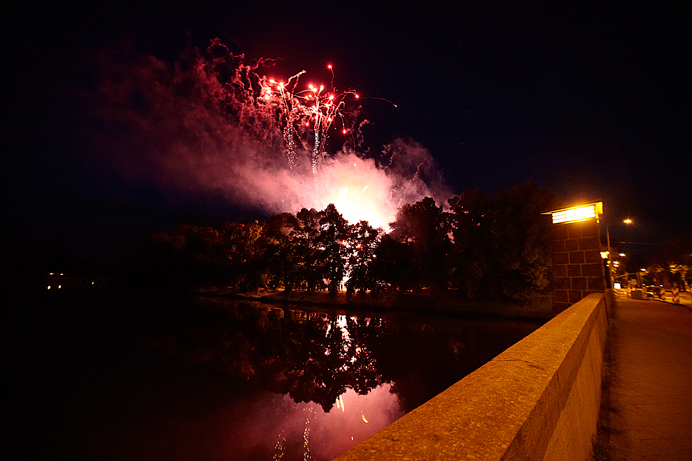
219	379
327	435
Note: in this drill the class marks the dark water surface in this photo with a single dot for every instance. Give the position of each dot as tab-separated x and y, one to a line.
205	378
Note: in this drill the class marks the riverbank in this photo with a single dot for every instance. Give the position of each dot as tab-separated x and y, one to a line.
539	308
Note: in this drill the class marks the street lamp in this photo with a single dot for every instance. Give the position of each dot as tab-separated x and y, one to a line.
627	221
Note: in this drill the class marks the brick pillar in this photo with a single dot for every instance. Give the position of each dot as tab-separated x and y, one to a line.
577	263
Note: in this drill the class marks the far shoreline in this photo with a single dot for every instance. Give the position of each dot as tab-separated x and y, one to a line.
425	304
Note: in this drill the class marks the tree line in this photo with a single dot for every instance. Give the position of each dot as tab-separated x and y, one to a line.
484	247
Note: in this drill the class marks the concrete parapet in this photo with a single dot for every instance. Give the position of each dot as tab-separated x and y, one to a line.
537	400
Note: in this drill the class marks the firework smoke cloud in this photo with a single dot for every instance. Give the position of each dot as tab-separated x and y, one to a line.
211	123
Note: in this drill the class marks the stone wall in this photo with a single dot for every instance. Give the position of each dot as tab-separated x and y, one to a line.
537	400
577	263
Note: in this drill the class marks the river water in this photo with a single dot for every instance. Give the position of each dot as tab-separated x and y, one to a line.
209	378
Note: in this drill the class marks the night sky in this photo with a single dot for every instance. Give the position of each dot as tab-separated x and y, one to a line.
589	102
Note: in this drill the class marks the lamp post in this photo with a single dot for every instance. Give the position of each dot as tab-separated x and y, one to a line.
627	221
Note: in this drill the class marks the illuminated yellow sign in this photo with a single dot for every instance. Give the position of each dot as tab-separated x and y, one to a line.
577	213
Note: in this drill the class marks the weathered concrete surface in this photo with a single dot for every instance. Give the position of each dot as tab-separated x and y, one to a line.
537	400
648	408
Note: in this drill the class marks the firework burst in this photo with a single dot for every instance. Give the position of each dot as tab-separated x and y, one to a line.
211	122
304	108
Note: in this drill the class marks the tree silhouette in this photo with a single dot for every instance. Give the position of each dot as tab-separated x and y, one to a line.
363	240
392	267
423	226
282	252
332	240
187	257
501	246
244	250
472	257
310	268
492	248
524	242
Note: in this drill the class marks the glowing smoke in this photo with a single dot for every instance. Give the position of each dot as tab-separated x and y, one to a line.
212	124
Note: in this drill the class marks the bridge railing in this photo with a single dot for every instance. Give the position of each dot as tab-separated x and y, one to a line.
537	400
